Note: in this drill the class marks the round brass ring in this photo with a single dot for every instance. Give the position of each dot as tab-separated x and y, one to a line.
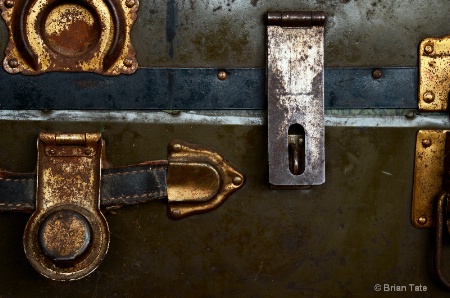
83	265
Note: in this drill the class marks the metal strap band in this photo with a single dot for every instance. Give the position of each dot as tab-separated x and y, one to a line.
119	186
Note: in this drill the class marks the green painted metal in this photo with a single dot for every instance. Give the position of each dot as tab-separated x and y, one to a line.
339	239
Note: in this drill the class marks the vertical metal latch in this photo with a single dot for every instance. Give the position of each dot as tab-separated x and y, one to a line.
295	94
67	236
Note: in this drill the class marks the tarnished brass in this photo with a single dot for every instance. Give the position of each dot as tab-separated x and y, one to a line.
57	35
198	179
428	175
434	74
67	236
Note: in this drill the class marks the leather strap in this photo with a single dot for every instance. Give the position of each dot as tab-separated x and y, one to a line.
119	186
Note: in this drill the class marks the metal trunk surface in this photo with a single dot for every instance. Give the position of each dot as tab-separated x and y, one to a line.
349	237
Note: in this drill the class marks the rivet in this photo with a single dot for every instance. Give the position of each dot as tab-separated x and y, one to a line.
428	97
237	180
176	148
128	62
429	48
13	63
377	74
176	212
410	114
9	3
88	151
52	151
130	3
222	75
426	143
422	220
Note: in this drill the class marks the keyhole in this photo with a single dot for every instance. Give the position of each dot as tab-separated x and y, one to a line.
296	148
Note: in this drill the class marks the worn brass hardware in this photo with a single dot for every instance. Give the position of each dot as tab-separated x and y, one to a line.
428	176
57	35
215	179
295	98
67	236
434	67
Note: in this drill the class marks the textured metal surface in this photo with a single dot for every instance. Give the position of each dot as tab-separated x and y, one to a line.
261	242
188	89
428	175
47	35
67	201
295	80
434	80
198	179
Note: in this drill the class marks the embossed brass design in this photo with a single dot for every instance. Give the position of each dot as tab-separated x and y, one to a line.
67	236
198	179
57	35
434	70
428	175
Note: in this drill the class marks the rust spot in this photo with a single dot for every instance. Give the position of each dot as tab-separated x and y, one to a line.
71	30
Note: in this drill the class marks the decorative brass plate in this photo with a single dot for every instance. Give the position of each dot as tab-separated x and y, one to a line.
72	35
428	173
434	74
198	179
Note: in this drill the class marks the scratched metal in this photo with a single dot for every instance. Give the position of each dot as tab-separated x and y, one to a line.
295	95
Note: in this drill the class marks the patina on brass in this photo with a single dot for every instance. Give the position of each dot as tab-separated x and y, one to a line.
67	236
198	179
57	35
428	175
434	74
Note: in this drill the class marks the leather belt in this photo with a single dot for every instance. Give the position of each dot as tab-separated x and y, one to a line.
119	186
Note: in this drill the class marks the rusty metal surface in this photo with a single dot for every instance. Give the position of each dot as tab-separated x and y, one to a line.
262	242
295	97
47	35
67	236
198	179
428	175
434	80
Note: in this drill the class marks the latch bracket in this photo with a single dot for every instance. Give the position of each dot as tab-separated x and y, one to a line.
67	236
295	92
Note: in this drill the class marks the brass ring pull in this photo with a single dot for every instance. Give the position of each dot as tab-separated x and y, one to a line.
441	201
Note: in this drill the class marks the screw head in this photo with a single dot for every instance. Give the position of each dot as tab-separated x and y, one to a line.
377	74
429	48
422	220
237	180
428	97
52	151
176	147
426	143
9	3
128	62
13	63
222	75
88	151
130	3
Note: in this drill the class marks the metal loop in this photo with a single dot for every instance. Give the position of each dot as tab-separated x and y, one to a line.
442	200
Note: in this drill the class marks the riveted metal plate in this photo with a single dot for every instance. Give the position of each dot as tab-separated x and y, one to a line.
57	35
434	74
295	79
67	236
428	174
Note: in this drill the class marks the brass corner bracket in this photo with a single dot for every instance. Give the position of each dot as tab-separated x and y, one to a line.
434	78
76	36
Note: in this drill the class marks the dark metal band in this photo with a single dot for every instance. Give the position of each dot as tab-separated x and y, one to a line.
119	186
199	89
